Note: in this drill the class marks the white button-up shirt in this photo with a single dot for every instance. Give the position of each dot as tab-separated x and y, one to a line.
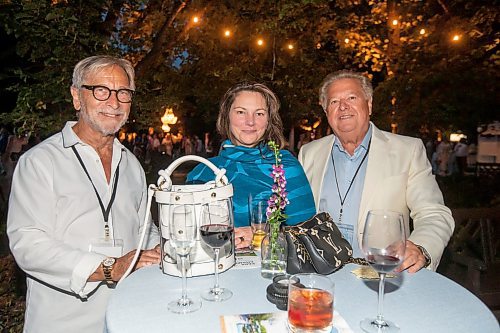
54	214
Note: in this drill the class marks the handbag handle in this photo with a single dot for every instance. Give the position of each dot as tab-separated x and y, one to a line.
165	182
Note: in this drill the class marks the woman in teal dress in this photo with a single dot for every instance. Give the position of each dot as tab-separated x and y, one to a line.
248	119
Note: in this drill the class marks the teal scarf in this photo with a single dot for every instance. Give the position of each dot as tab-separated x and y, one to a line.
249	170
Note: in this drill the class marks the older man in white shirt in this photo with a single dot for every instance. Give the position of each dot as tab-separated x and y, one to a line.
77	206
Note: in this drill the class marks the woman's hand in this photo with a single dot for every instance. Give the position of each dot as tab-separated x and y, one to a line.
243	237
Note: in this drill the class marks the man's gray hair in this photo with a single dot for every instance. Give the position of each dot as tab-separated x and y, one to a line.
366	85
94	64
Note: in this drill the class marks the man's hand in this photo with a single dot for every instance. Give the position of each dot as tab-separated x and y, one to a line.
146	258
414	259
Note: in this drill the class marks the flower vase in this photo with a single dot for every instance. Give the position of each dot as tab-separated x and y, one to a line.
273	254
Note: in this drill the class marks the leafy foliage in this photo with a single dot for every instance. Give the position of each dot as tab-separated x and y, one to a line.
50	39
12	300
189	66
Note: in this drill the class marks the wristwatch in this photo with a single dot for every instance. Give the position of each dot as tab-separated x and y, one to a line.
426	255
107	267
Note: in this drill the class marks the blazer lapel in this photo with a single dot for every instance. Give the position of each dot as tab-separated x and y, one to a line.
321	159
376	161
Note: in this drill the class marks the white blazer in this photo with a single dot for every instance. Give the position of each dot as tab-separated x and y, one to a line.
399	178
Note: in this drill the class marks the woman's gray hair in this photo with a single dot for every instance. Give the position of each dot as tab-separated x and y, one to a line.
274	129
364	81
92	65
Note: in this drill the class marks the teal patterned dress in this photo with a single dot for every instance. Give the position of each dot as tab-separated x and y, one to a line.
249	170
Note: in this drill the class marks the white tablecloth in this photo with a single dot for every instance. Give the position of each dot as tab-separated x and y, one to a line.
421	302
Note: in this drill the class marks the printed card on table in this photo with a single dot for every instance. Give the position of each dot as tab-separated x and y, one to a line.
247	259
275	322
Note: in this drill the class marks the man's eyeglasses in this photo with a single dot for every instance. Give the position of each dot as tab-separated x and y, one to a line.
102	93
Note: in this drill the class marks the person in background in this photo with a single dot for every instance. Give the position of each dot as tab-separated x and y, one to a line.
209	149
461	151
248	119
435	161
360	168
198	145
187	145
77	206
167	143
443	154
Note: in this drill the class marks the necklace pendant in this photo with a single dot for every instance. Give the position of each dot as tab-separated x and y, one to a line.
340	216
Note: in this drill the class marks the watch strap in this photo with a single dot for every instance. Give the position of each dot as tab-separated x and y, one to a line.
426	255
107	274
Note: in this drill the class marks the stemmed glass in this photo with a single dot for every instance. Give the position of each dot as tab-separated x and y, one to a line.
383	245
182	233
216	230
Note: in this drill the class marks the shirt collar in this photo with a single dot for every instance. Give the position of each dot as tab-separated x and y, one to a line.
70	138
362	147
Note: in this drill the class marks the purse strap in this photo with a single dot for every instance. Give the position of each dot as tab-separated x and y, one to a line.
165	182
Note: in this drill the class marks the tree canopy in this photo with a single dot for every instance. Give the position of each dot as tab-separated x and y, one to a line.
424	80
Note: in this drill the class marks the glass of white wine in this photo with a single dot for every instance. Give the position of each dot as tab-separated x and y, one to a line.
182	233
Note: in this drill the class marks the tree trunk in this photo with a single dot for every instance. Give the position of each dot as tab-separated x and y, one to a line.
154	57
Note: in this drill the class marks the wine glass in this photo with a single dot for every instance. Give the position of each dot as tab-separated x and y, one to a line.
216	230
383	245
182	233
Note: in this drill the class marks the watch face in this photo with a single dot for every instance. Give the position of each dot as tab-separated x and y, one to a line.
109	261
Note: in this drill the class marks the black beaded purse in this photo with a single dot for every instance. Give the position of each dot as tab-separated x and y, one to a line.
316	246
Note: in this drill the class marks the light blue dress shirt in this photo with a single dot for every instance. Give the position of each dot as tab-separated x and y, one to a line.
345	169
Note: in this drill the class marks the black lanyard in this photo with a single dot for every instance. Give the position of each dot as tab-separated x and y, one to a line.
105	211
352	180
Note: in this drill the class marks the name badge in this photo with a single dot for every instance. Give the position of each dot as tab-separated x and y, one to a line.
108	247
347	231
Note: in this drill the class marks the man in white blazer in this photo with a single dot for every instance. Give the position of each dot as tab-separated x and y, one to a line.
360	168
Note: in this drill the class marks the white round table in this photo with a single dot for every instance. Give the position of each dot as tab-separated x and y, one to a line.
421	302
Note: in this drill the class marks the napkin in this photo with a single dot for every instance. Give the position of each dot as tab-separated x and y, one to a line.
368	273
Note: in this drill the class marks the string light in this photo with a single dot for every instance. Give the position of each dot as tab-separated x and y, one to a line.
290	46
456	38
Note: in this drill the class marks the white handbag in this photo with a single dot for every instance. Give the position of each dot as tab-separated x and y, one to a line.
196	195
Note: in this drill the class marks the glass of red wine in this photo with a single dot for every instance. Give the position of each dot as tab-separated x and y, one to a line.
216	230
383	244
